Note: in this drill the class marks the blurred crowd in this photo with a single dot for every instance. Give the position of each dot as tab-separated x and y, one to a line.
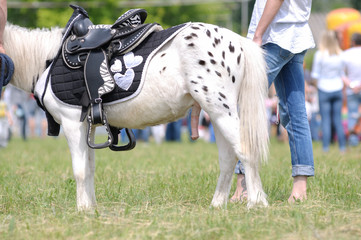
333	93
333	97
336	82
20	116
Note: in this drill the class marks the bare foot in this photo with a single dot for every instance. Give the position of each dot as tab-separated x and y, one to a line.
241	191
299	191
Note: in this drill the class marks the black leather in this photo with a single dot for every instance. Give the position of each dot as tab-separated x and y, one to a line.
132	18
81	27
93	81
95	37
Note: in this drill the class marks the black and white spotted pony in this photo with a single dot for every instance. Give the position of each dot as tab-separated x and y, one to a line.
203	66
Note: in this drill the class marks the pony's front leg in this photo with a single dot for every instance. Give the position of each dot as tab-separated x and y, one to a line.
83	161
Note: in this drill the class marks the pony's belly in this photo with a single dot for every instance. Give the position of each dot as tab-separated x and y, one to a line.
138	113
142	111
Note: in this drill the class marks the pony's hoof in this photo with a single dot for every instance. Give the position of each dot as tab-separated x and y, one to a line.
259	200
86	208
257	203
218	204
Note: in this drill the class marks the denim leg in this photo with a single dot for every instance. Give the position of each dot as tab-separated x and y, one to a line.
315	126
325	111
285	69
276	58
239	168
337	119
145	134
353	102
173	131
290	88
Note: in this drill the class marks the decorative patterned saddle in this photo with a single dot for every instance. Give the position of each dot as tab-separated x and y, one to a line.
104	64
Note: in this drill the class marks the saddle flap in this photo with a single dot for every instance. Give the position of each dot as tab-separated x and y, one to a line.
131	18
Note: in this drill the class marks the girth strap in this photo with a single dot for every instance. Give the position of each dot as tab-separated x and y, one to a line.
92	72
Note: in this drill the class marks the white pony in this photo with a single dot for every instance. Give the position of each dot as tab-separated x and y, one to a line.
203	66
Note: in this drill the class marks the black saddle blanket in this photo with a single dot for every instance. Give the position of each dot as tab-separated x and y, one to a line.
127	70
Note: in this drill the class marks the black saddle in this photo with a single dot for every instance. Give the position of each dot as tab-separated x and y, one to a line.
125	34
90	47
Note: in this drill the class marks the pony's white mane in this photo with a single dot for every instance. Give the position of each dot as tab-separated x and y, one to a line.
29	50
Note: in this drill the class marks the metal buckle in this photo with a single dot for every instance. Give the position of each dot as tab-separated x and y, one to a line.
98	100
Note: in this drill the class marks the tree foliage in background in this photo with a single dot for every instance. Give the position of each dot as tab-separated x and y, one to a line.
328	5
110	10
107	11
356	4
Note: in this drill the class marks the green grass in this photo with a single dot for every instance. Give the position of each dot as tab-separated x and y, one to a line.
164	192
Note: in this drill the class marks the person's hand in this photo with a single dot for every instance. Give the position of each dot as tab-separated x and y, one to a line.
356	89
355	86
2	49
257	40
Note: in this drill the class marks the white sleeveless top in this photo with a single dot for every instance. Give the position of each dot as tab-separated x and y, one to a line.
289	29
328	70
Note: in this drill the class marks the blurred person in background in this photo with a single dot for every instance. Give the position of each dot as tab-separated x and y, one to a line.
328	71
352	62
37	122
5	123
16	100
173	132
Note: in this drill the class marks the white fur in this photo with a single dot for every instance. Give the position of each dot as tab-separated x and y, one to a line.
239	118
29	49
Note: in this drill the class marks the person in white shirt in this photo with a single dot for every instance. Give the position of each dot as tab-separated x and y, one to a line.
352	61
281	28
328	71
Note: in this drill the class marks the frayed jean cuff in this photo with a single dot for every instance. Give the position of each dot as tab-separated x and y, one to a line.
303	170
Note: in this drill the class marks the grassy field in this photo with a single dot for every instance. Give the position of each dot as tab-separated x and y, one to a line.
164	192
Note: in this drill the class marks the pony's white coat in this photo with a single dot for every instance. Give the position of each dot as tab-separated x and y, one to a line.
221	71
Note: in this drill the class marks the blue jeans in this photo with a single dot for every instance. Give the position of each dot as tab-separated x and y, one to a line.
315	125
330	109
285	70
353	103
173	131
142	134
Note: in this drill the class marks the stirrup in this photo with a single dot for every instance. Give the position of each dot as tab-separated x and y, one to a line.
107	127
131	144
